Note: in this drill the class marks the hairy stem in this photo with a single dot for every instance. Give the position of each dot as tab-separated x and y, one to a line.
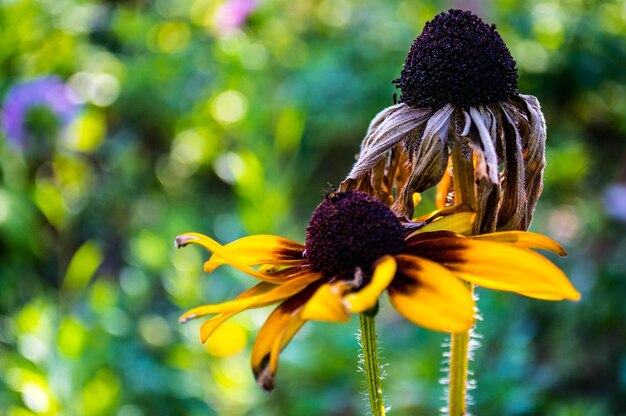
464	193
371	367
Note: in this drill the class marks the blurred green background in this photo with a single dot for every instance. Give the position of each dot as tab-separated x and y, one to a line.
230	118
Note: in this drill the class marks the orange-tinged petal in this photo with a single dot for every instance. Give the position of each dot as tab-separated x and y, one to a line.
280	327
366	298
260	249
498	266
214	247
443	188
429	295
327	303
524	239
460	223
272	294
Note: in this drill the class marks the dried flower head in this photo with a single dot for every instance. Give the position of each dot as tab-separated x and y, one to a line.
458	59
458	90
355	250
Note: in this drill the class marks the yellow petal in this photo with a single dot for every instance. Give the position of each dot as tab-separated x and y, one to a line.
260	249
429	295
210	325
524	239
327	303
460	223
498	266
214	247
280	327
272	294
366	298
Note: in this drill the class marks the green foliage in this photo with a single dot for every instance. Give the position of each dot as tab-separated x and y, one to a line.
185	125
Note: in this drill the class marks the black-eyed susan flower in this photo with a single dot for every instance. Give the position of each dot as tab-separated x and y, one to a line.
355	249
458	90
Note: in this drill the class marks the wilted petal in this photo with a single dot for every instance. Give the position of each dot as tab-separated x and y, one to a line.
487	205
512	210
534	147
388	128
429	158
479	119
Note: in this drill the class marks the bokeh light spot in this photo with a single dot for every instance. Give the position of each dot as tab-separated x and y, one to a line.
229	107
229	167
150	249
155	330
531	56
334	12
35	397
254	56
72	337
5	206
134	282
228	339
83	265
170	37
564	224
87	132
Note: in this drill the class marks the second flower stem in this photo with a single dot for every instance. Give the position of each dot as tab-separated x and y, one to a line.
464	193
370	363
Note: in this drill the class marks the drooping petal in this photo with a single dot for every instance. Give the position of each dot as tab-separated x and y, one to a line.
497	266
214	247
512	212
280	327
429	295
261	249
534	147
429	158
270	294
479	117
327	303
524	239
388	128
366	298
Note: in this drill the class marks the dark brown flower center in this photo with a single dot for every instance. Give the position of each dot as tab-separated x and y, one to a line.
349	230
457	59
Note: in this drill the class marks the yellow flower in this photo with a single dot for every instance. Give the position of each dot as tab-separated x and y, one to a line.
356	249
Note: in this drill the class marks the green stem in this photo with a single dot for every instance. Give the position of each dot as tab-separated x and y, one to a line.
370	360
464	193
459	364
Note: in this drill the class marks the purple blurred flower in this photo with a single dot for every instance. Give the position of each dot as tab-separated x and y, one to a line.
615	200
232	14
48	92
